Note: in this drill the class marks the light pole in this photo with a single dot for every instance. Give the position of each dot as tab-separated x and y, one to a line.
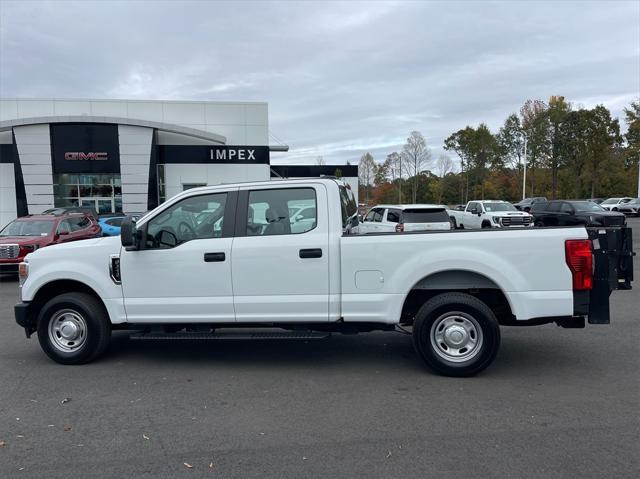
524	173
638	175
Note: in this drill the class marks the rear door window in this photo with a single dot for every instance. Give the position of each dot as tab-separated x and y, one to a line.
377	215
79	223
566	208
554	206
393	216
268	211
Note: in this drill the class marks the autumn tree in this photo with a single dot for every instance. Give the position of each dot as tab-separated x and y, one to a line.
632	118
416	157
366	173
535	123
393	165
557	113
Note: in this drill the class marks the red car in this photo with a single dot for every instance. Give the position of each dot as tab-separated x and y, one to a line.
26	234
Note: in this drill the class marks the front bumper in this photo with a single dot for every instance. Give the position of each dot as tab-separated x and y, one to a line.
25	318
9	268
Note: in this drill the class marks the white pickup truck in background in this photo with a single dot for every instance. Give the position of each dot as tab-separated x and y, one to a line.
243	257
482	214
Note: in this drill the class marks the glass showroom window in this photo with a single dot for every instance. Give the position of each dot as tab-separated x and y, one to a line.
102	192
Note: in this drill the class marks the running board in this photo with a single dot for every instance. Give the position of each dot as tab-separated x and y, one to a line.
231	336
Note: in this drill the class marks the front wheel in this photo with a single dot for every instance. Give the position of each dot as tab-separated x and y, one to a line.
73	328
456	334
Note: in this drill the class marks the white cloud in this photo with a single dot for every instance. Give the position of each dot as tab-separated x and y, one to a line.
340	78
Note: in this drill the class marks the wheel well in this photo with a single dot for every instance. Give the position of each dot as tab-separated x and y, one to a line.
468	282
486	223
55	288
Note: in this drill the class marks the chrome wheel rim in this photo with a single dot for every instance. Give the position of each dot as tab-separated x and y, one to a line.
67	330
456	337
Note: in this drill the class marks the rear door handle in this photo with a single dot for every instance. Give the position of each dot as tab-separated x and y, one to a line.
311	253
214	257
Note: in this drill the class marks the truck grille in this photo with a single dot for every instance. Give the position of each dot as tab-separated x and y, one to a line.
509	221
9	251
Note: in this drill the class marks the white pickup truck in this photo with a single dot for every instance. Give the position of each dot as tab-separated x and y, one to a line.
227	256
482	214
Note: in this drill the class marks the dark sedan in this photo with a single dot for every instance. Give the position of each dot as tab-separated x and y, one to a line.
572	213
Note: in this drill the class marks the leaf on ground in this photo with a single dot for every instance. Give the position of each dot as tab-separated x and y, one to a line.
65	400
145	436
211	465
3	443
187	465
66	428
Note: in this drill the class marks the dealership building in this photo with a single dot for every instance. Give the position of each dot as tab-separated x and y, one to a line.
130	155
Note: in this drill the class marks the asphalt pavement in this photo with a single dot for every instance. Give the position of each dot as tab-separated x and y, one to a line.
556	403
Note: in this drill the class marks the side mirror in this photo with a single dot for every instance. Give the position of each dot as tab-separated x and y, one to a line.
128	234
474	211
479	213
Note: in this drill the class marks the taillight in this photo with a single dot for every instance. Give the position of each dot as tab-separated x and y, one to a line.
399	228
579	256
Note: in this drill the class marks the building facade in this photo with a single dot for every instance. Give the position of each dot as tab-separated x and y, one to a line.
130	155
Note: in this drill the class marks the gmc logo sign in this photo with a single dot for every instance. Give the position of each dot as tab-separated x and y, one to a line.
79	155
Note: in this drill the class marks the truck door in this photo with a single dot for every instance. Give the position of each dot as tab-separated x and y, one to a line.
278	274
471	215
182	273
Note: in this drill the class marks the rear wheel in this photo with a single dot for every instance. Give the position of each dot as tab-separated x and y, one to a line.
456	334
539	224
73	328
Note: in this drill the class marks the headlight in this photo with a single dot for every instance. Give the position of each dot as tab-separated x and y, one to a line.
496	219
23	272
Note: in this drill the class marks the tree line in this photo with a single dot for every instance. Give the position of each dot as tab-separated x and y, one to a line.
570	153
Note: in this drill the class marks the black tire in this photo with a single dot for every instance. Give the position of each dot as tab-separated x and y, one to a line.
486	225
445	308
461	227
454	223
538	224
79	309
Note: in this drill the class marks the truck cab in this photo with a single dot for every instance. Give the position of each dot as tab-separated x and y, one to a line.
216	259
486	214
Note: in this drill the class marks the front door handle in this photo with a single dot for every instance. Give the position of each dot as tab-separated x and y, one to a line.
311	253
214	257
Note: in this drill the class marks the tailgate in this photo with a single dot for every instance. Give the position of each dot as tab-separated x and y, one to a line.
613	268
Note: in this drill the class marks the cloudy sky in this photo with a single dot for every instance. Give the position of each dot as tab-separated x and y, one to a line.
341	78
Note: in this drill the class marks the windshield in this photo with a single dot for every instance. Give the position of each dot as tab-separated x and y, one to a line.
587	206
611	201
28	228
499	207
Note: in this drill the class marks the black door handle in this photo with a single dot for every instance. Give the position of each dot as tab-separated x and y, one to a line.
213	257
311	253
